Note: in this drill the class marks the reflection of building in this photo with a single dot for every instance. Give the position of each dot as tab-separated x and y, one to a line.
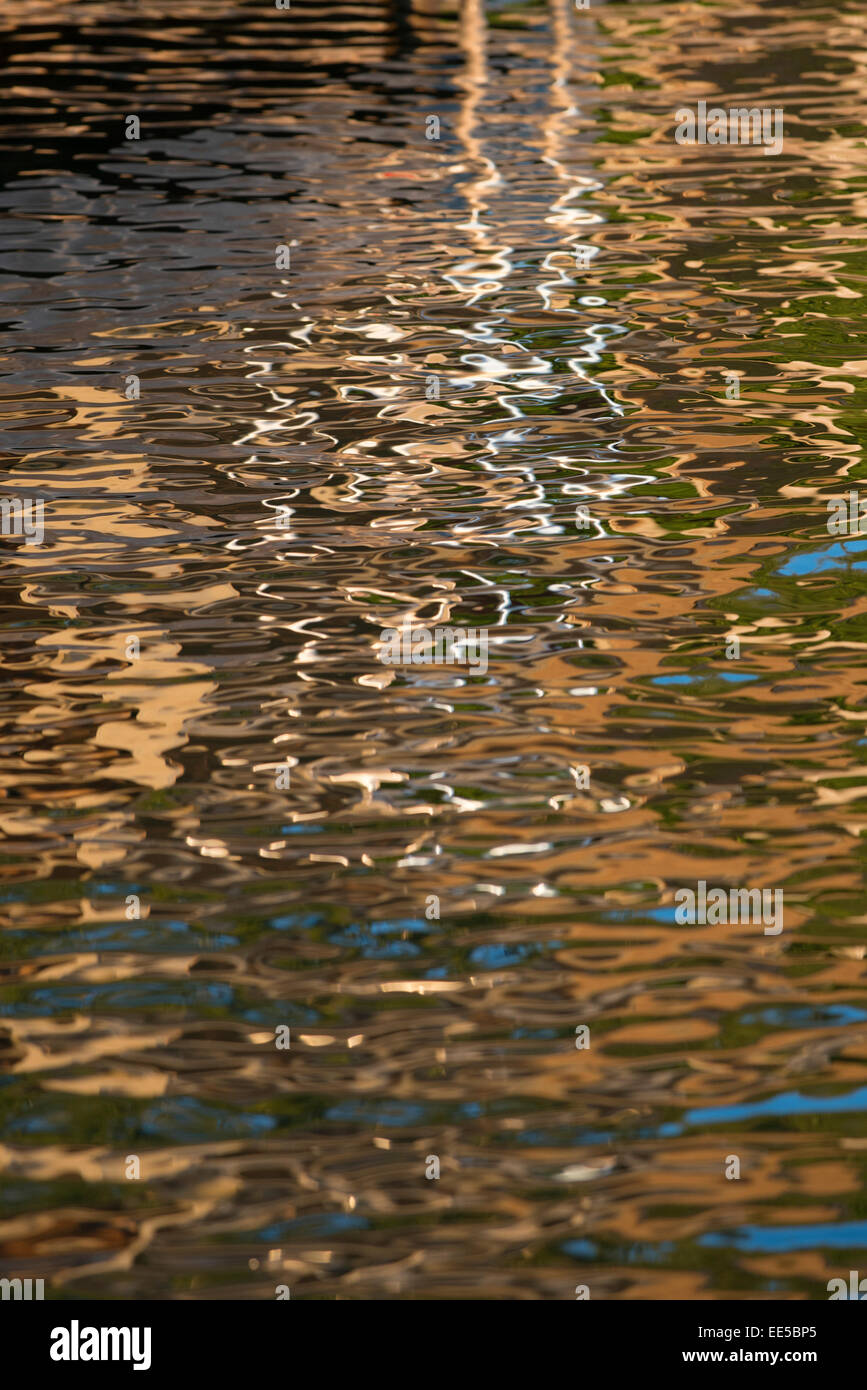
98	525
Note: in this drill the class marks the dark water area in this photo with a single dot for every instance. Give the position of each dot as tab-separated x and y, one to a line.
555	306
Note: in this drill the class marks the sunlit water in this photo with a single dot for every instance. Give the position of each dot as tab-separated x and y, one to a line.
288	486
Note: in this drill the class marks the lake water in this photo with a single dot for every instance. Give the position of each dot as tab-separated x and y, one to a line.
553	377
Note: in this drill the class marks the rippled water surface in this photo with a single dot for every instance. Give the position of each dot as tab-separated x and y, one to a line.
287	486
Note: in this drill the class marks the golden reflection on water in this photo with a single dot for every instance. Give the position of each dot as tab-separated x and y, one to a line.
285	490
